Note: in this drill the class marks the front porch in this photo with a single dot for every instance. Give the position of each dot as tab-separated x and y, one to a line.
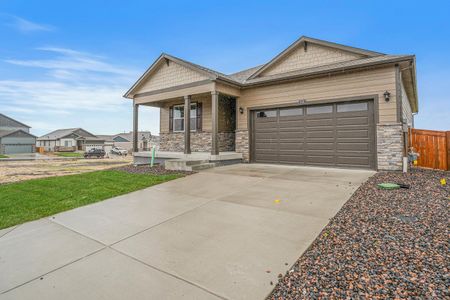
203	122
198	112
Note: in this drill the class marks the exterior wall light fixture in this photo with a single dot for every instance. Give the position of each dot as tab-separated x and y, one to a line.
387	96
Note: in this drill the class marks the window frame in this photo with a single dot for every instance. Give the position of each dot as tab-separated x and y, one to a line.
191	111
310	110
266	112
347	107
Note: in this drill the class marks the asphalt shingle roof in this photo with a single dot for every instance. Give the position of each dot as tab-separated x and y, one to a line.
6	132
57	134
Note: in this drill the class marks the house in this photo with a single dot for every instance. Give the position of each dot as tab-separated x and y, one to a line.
71	139
15	137
125	140
315	103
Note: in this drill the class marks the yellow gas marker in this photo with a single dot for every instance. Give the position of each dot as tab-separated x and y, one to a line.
277	201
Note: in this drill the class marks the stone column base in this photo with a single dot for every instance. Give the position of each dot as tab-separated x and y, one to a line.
242	144
390	147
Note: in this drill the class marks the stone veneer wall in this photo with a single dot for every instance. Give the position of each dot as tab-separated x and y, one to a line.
242	144
390	147
171	141
200	141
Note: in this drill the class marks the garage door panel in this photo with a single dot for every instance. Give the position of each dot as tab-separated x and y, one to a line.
266	136
320	159
323	135
288	144
353	146
364	120
17	149
353	133
294	124
353	161
291	146
291	134
320	134
292	119
266	126
319	122
267	158
292	159
320	146
268	129
360	140
312	141
352	114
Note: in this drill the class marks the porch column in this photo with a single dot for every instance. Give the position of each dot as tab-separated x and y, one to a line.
187	124
135	127
215	123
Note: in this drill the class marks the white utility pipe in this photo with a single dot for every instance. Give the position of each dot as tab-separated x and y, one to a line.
405	164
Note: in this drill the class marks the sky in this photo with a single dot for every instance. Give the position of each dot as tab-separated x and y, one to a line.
67	63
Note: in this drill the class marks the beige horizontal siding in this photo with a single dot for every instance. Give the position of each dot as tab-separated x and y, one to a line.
368	82
406	107
170	75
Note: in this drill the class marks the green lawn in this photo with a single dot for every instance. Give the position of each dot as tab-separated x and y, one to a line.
33	199
69	154
3	156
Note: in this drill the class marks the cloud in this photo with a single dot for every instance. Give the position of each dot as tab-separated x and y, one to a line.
71	60
27	26
72	89
59	96
76	81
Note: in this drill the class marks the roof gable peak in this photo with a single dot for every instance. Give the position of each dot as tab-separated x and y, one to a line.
167	58
304	41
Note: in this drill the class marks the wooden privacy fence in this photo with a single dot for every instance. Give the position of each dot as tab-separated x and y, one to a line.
433	147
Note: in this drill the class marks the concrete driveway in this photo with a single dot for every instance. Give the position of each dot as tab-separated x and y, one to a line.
223	233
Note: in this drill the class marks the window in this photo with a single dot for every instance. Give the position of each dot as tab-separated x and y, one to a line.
323	109
291	112
178	117
347	107
266	114
67	143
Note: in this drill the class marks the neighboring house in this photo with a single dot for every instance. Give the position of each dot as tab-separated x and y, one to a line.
15	137
70	139
315	103
125	140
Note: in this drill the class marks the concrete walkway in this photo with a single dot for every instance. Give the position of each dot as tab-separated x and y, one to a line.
225	233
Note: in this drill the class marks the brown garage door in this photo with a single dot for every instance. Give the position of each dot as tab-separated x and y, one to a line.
339	134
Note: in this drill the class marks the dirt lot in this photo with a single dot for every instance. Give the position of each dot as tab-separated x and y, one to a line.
23	170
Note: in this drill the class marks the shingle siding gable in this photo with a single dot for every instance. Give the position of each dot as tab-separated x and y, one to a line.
315	55
169	75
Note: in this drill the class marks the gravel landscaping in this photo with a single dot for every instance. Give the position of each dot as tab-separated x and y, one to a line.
382	244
